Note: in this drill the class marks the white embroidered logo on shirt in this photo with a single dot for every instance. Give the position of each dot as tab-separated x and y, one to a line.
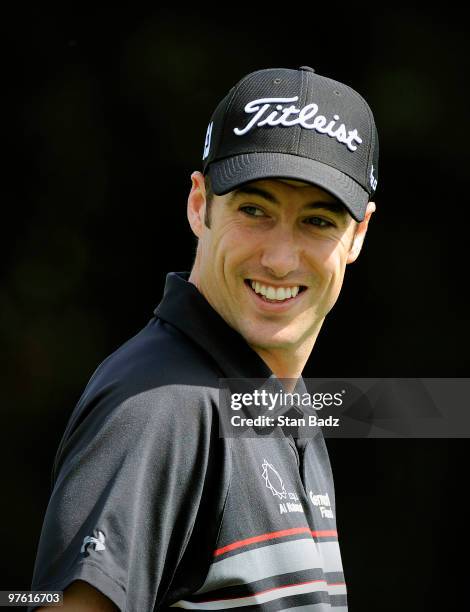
304	117
96	543
273	480
274	483
322	502
207	143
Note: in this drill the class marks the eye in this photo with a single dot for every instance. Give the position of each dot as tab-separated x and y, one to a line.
319	222
252	211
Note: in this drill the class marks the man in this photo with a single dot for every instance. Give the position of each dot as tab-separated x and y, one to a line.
151	507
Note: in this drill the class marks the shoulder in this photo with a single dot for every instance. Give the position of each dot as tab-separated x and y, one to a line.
159	354
157	365
157	384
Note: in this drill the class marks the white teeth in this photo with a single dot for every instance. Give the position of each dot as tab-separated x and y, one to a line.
273	293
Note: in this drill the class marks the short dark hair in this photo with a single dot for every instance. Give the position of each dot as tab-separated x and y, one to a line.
209	200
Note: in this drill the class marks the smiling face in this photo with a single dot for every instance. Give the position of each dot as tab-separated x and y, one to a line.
273	260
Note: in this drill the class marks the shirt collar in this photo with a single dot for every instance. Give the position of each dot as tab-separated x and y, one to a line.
184	307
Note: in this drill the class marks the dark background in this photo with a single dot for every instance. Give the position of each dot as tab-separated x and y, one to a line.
106	118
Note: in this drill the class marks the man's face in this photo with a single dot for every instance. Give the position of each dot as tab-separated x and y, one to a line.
273	260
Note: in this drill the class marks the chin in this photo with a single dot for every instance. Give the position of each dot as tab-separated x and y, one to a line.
275	339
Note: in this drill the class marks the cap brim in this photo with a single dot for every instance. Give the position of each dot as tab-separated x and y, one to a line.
232	172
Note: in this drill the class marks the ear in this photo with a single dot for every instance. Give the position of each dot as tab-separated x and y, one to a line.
361	231
197	203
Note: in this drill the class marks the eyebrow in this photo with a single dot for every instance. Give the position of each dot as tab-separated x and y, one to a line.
333	206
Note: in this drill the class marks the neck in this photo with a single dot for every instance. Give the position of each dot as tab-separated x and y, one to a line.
288	363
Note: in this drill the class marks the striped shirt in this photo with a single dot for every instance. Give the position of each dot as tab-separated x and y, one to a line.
156	510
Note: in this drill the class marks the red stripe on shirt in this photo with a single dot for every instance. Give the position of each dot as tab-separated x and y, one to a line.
325	533
272	535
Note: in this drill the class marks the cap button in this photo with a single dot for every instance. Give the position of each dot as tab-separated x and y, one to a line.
307	68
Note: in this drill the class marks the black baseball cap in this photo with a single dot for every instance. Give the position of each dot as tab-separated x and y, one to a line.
294	124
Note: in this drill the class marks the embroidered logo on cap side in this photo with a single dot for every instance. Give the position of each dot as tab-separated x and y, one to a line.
207	142
373	180
304	117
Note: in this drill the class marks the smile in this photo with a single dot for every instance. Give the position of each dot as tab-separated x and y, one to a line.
273	294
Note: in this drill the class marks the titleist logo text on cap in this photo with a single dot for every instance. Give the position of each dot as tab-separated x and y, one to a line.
280	116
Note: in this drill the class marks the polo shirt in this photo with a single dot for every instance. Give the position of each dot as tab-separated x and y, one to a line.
155	509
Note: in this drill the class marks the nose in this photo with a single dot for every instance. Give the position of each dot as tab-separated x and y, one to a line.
280	253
